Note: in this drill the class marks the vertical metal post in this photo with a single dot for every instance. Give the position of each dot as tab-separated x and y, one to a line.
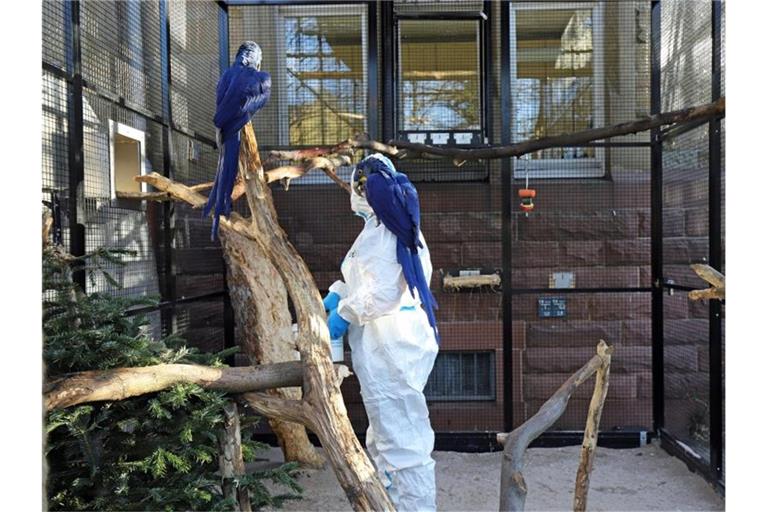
168	277
486	75
657	226
388	70
76	145
373	73
506	218
229	313
715	259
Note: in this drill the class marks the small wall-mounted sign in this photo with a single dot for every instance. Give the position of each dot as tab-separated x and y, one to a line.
552	307
562	280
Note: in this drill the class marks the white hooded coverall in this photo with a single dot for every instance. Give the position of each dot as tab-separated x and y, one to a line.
393	351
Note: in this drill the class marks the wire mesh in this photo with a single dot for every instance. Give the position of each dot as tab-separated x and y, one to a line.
686	81
121	50
194	31
55	33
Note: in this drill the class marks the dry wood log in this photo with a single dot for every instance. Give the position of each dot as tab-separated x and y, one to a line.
322	408
260	304
47	226
122	383
589	444
231	464
513	487
714	278
458	282
263	323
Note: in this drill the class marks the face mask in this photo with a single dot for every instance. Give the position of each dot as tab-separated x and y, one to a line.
360	206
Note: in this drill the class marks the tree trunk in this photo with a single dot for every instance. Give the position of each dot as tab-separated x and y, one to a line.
322	408
231	463
263	322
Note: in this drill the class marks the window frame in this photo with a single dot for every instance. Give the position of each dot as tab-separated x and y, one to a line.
284	11
492	360
564	168
480	19
140	136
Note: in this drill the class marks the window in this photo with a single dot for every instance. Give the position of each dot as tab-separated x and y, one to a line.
462	376
324	74
126	155
439	83
556	73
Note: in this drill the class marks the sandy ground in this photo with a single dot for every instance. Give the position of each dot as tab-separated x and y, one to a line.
622	480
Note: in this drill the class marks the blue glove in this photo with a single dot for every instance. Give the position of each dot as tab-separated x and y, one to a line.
331	301
337	326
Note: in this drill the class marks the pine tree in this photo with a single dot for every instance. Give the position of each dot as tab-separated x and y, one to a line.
154	452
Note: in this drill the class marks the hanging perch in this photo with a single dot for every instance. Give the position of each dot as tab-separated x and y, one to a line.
714	278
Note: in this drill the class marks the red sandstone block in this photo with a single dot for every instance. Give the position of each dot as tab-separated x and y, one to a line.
582	253
519	335
481	335
461	227
543	386
597	277
616	413
636	332
691	331
571	333
674	222
697	222
626	306
534	254
479	254
628	252
645	275
466	416
568	360
676	306
644	384
686	385
681	358
602	225
445	255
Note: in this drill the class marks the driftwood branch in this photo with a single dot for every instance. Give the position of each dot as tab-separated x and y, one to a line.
589	444
513	487
714	278
122	383
699	113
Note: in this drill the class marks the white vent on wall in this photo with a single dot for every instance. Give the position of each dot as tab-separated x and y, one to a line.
126	158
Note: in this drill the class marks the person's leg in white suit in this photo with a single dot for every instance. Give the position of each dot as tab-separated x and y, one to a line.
392	358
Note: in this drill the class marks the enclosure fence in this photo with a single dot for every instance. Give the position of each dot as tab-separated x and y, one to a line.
603	254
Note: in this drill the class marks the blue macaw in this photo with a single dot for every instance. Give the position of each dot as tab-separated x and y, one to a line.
242	91
395	202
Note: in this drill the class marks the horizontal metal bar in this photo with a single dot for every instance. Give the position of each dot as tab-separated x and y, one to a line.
238	3
428	16
670	444
172	303
485	441
56	71
681	287
525	291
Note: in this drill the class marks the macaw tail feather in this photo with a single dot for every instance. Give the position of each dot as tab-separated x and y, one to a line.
415	278
220	198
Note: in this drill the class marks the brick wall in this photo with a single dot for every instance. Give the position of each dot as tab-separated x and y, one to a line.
598	229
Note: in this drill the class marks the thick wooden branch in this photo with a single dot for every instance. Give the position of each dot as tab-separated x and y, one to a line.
122	383
713	277
589	444
322	404
513	488
327	164
47	227
703	112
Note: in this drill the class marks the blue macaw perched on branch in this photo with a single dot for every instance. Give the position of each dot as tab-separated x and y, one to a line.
242	91
395	202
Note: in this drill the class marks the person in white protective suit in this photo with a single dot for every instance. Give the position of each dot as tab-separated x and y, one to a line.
393	352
